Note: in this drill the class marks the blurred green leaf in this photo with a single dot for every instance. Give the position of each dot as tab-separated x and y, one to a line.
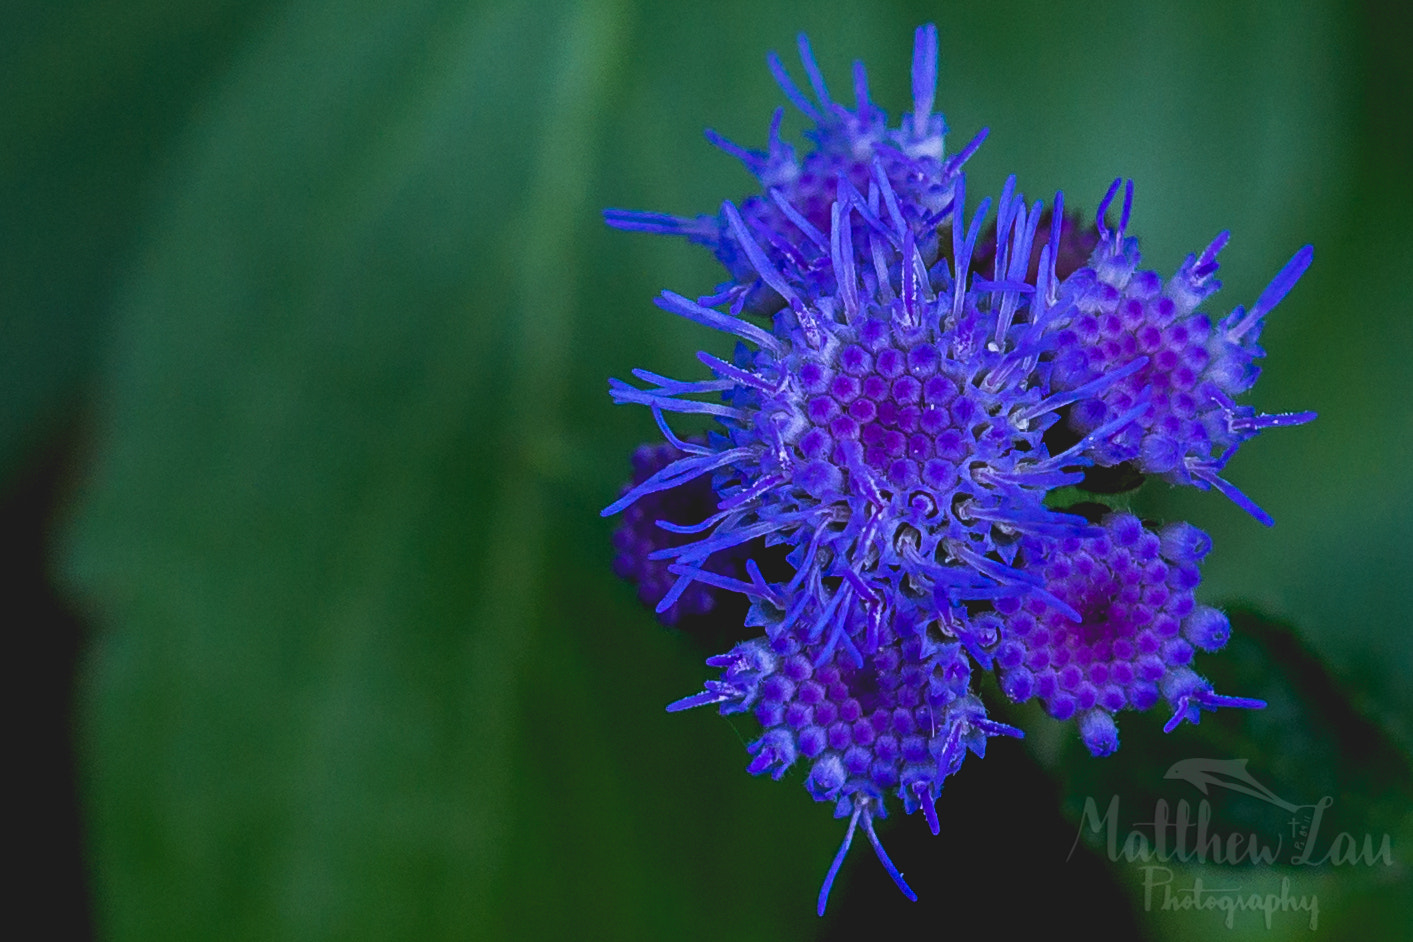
348	681
92	93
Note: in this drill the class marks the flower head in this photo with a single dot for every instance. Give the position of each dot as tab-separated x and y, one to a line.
1193	369
894	723
855	152
892	432
1138	627
895	429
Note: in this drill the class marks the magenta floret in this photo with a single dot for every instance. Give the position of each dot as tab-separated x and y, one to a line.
1192	369
1138	622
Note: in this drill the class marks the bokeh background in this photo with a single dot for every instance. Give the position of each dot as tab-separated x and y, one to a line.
307	314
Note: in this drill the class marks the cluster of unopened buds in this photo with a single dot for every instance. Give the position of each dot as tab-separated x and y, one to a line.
916	397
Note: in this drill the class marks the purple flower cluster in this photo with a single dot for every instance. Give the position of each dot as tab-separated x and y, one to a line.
1133	641
1192	369
910	389
791	221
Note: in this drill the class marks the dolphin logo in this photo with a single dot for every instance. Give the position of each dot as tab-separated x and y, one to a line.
1230	774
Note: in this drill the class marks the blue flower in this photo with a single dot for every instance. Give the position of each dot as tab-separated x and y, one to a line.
922	386
855	151
892	432
1192	369
1138	628
896	722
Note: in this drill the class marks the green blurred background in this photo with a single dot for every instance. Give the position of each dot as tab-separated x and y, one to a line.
307	316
